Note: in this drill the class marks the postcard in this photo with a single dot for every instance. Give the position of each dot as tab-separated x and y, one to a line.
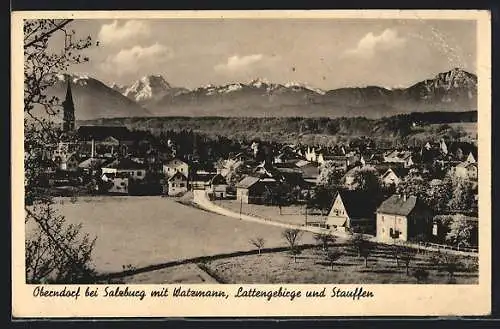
251	163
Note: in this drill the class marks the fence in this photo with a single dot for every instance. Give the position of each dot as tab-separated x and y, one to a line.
447	247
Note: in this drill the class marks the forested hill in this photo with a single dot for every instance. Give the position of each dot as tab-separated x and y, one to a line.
421	125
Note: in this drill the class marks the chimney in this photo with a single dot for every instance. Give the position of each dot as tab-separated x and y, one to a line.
92	152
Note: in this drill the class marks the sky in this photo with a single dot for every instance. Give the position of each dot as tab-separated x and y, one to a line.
324	53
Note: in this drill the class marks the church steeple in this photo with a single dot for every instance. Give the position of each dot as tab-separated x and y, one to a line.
69	110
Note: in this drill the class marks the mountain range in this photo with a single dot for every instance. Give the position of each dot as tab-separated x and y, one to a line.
455	90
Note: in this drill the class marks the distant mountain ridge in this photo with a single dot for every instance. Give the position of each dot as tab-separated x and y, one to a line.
94	99
455	90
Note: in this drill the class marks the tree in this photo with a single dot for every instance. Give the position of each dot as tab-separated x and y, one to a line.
463	196
332	255
44	260
407	256
329	177
362	246
321	199
55	251
421	275
292	237
365	179
447	262
324	240
460	231
259	243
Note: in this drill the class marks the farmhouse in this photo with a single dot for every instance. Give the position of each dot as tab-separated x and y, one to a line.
177	184
250	189
403	217
126	167
218	186
175	165
353	210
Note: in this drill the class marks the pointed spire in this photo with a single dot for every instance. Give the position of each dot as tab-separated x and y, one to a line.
69	109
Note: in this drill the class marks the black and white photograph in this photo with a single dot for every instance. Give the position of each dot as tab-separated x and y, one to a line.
252	151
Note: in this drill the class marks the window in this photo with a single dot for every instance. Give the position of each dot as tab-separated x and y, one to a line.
173	184
139	173
182	169
181	185
382	218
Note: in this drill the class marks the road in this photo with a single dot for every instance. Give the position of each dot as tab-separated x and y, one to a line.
201	199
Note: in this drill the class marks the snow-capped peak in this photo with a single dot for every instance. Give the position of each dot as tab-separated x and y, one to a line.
76	78
295	84
259	82
147	87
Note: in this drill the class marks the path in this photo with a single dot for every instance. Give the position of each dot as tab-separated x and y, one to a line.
201	199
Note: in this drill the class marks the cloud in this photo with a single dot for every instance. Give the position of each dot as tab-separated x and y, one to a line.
238	63
371	44
137	58
115	33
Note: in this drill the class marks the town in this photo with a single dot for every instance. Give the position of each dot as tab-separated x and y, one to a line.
417	193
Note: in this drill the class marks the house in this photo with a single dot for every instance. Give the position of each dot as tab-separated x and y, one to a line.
353	210
403	217
402	157
339	161
125	166
120	185
250	189
466	170
201	177
175	165
310	155
471	158
393	176
218	187
91	165
310	172
177	184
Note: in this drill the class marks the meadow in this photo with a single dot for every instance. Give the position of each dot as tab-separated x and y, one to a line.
141	231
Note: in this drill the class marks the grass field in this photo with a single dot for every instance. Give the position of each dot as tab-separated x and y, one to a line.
311	267
291	215
141	231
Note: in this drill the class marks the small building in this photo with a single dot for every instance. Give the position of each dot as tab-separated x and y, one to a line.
131	169
175	165
177	184
402	157
403	218
250	189
393	176
466	170
218	187
353	211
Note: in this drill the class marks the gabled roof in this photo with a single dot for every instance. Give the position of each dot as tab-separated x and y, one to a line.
177	175
171	162
247	182
399	205
400	172
466	164
91	163
218	180
358	204
125	164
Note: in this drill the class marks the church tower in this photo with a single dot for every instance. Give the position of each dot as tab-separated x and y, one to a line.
69	110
